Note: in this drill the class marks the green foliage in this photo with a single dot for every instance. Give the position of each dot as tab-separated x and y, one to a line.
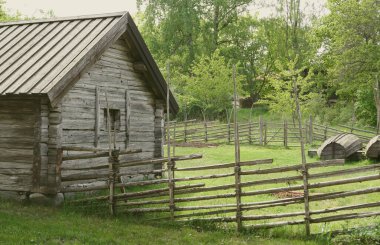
4	16
210	87
42	225
339	113
281	99
89	224
184	32
365	109
351	51
364	236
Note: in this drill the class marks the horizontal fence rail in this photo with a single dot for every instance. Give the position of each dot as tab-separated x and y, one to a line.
192	192
259	132
194	196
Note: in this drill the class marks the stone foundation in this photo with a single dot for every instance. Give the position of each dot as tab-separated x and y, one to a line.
54	200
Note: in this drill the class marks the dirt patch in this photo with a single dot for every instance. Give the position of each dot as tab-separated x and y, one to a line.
196	144
288	194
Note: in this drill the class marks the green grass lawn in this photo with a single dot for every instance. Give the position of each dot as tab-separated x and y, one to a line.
75	224
22	224
282	157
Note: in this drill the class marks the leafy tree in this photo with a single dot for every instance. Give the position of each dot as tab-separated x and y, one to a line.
337	55
210	87
171	28
271	40
180	32
281	98
4	16
351	54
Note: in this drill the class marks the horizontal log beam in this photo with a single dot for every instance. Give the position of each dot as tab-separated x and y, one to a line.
313	186
158	160
326	163
140	203
214	219
275	224
79	148
350	207
212	176
149	192
142	194
226	165
100	154
341	194
271	216
344	217
145	210
189	208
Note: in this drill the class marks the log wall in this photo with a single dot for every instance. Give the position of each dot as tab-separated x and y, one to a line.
83	109
19	143
32	132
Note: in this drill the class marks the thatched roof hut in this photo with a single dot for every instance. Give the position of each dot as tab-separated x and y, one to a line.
340	146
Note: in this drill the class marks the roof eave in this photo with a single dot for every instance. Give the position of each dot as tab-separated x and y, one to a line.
151	64
56	93
124	24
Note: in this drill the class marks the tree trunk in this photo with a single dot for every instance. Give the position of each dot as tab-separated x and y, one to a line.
378	119
204	115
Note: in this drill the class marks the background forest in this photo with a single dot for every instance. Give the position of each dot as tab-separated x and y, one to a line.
333	52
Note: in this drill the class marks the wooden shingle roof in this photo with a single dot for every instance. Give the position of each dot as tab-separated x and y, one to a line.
48	56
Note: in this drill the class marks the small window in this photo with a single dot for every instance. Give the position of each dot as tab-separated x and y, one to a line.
114	118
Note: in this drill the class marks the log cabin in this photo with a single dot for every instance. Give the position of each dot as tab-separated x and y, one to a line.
55	75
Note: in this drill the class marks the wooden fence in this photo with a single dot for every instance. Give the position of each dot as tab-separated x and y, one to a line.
259	132
104	173
189	183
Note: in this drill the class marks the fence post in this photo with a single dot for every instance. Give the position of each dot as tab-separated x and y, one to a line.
305	176
238	195
285	134
170	164
306	135
237	158
311	130
114	158
171	185
185	132
112	155
206	136
174	137
164	134
265	133
325	133
58	172
303	155
250	132
261	130
228	132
